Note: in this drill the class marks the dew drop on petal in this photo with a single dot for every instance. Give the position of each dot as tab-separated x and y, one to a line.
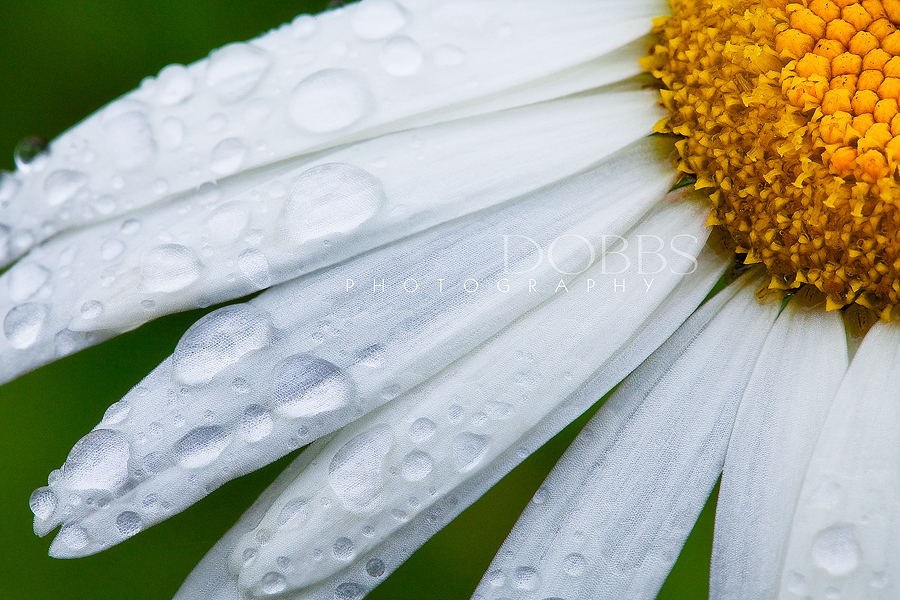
329	199
355	472
227	156
329	100
294	513
468	448
526	578
836	550
349	591
303	26
63	185
25	278
343	549
174	84
273	583
111	249
306	385
256	423
377	19
400	57
201	446
255	267
23	324
421	429
375	568
74	537
98	461
129	523
227	222
416	466
91	310
218	340
129	134
117	412
28	151
42	503
235	70
169	268
574	564
9	186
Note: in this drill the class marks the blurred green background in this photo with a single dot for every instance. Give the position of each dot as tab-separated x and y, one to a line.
60	61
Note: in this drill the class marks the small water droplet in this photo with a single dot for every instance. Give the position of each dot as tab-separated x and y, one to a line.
201	446
416	466
129	523
111	249
343	549
235	70
306	385
421	429
74	537
25	278
240	385
91	310
329	100
377	19
228	156
293	514
273	583
255	267
540	496
355	472
43	503
128	133
23	324
836	550
468	448
256	423
574	564
131	227
169	268
303	26
99	460
375	568
401	57
248	555
63	185
174	84
526	578
28	151
349	591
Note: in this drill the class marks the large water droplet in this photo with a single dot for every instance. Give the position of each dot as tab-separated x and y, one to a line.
173	85
416	466
129	134
28	151
235	70
201	446
25	278
400	56
169	268
256	423
836	550
129	523
355	472
254	265
329	199
421	429
227	222
228	156
42	503
306	385
293	514
98	461
61	186
23	324
329	100
218	340
342	549
273	583
468	448
377	19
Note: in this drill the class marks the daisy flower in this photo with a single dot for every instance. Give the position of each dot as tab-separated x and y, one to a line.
466	235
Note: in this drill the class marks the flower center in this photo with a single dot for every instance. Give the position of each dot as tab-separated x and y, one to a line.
789	111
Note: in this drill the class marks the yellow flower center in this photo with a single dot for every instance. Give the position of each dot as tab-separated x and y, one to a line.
789	110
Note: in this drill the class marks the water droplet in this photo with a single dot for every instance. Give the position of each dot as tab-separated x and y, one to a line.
400	56
836	550
25	278
74	537
61	186
43	503
416	466
574	564
349	591
117	412
447	56
375	568
495	578
228	156
329	100
256	423
421	429
540	496
240	385
377	19
306	385
372	357
468	448
227	222
111	249
293	514
355	472
343	549
91	310
169	268
174	84
248	555
98	461
218	340
131	227
328	199
129	134
255	267
273	583
129	523
303	26
23	324
28	151
526	578
235	70
201	446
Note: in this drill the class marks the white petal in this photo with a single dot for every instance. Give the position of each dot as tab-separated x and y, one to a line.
780	418
844	535
612	516
267	226
313	84
387	482
253	382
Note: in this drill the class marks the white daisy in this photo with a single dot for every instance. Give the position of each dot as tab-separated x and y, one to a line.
471	237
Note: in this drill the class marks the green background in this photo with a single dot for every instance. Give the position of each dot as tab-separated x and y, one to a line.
60	61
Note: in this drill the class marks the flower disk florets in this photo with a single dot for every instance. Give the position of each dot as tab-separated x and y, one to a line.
789	113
